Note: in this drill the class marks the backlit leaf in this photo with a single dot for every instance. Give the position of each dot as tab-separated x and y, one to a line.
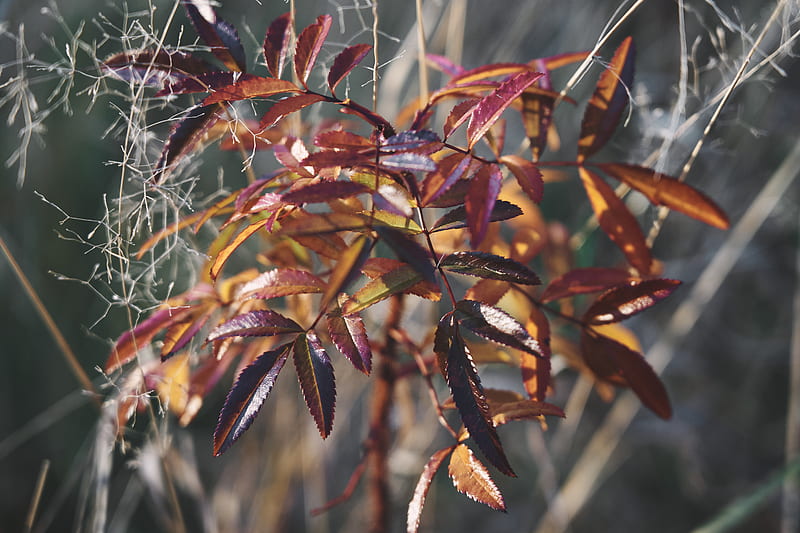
625	301
246	397
345	62
492	106
249	86
130	342
495	325
492	70
465	385
260	323
276	44
315	374
471	477
456	218
216	33
617	221
184	137
669	192
349	335
281	282
459	114
309	43
608	101
490	266
222	256
583	281
347	269
448	171
324	191
393	282
423	485
481	197
287	106
321	223
631	367
523	410
536	371
178	335
527	174
537	115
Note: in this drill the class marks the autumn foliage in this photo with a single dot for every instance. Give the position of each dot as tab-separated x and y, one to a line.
372	208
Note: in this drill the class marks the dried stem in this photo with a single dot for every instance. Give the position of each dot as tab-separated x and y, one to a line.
37	495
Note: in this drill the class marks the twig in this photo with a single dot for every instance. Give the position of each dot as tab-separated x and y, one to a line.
37	495
352	483
583	479
375	61
421	55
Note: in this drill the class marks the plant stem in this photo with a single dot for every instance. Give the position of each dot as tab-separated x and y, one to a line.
379	439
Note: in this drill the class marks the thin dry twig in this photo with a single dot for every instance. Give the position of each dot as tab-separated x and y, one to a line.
37	495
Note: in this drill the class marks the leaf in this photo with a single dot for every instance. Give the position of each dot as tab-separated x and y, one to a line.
495	325
524	410
464	383
345	62
281	282
471	477
492	70
324	191
184	136
602	353
246	397
617	221
455	218
448	171
409	162
608	101
346	270
276	44
178	335
322	223
423	485
250	86
583	281
221	257
460	113
204	82
130	342
409	251
490	266
162	67
343	140
481	197
287	106
536	371
349	335
527	174
393	282
537	115
669	192
216	33
309	43
492	106
315	374
260	323
625	301
444	64
418	141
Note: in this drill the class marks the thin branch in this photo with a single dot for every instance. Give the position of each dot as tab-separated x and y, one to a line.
422	62
37	495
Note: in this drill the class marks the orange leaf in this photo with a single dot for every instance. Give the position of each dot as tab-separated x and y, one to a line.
471	477
225	253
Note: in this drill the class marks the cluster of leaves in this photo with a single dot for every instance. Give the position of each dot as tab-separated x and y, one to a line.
346	225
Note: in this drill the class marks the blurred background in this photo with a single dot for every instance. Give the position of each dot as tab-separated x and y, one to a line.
724	337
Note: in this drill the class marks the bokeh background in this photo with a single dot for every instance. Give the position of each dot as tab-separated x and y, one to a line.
729	364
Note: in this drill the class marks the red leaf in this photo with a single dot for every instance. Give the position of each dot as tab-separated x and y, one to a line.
281	282
162	68
333	159
309	43
216	33
668	191
349	335
204	82
496	325
246	397
608	101
249	86
459	114
423	485
470	477
625	301
395	281
481	197
377	121
184	137
454	219
617	221
583	281
343	140
315	374
492	106
345	62
276	44
287	106
603	354
449	170
261	323
489	266
464	383
324	191
527	174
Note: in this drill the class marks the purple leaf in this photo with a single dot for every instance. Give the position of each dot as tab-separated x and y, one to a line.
246	397
481	197
276	44
627	300
350	337
444	64
496	325
184	136
527	175
315	374
492	106
216	33
287	106
248	86
163	68
324	191
410	162
419	141
409	251
261	323
459	114
345	62
489	266
456	218
449	170
309	43
281	282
